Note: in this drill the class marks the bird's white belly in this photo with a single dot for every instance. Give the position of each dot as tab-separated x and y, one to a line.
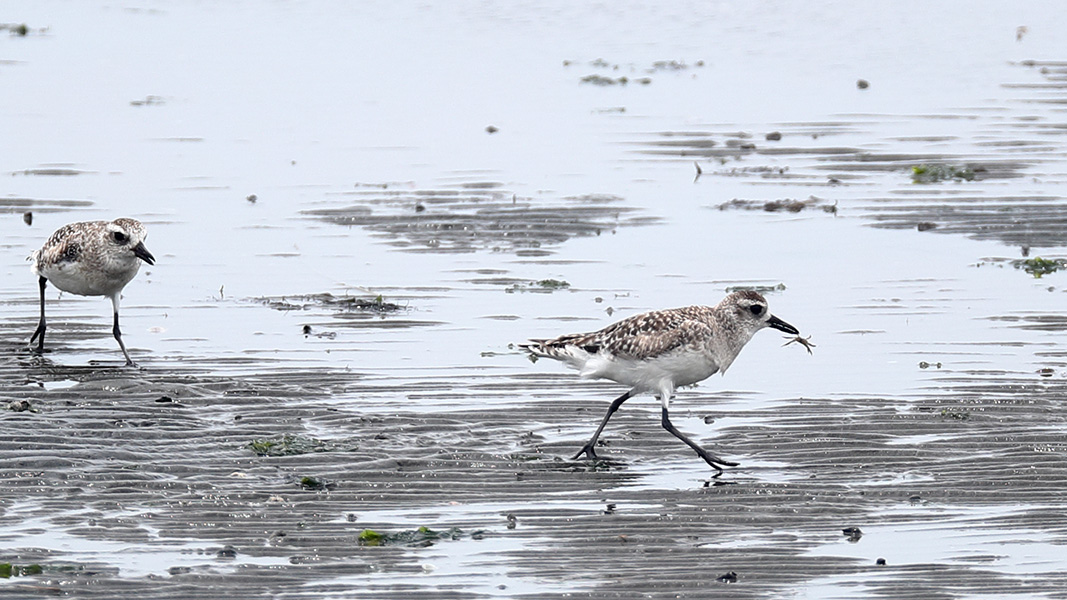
679	369
71	278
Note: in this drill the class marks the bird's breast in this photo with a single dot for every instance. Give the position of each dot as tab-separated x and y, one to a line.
79	278
678	368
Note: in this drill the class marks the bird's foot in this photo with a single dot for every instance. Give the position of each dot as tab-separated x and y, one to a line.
129	361
588	451
715	461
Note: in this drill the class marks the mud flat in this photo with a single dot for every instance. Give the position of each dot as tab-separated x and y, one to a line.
177	483
353	231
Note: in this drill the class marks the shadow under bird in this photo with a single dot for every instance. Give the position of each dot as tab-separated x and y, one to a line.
91	258
660	351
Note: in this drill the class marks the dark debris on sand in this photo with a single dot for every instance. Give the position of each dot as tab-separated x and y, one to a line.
479	217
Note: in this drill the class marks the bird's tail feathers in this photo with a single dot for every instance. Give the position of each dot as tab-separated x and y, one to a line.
557	349
542	348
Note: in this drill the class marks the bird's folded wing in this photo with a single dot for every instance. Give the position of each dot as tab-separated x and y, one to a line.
644	343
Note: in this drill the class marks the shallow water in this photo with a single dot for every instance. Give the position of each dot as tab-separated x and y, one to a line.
277	152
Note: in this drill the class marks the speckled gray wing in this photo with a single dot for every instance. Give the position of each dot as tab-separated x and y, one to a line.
63	246
62	234
69	252
652	335
643	336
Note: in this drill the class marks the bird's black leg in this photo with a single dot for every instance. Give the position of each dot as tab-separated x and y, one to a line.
39	332
118	334
587	449
709	458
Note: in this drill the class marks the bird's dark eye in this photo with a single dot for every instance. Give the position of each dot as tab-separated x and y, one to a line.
756	309
119	237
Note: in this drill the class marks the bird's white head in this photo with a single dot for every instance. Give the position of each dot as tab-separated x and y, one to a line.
124	240
740	315
749	311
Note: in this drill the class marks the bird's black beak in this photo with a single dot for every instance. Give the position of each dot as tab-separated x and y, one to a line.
142	253
781	325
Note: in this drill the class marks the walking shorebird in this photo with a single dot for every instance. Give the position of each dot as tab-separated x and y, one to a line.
662	350
92	258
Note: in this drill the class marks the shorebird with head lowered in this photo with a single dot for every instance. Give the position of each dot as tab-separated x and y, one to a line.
92	258
660	351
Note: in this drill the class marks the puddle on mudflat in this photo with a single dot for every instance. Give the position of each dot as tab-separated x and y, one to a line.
1017	560
478	567
143	552
463	514
686	471
961	538
60	384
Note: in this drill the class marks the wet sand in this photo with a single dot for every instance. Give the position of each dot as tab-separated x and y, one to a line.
331	403
146	482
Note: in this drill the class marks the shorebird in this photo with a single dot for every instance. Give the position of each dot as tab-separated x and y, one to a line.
662	350
92	258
